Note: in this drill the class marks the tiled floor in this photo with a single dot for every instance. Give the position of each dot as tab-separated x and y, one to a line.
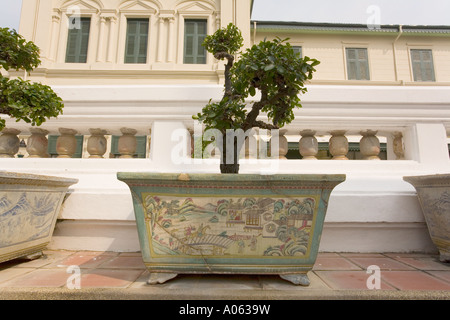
333	272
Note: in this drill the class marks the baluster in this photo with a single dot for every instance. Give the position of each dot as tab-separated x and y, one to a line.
369	145
97	143
282	146
397	142
127	144
149	152
251	145
308	145
66	144
338	145
37	143
191	142
9	142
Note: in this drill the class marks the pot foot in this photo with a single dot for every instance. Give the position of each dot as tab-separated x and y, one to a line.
160	278
33	256
444	256
297	279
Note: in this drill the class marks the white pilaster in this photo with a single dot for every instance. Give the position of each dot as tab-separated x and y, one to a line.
169	145
112	43
100	51
427	144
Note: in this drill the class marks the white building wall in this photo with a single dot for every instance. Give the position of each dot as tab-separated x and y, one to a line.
374	210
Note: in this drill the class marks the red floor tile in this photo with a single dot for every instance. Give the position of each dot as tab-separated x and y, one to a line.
109	278
125	261
349	280
444	275
85	259
362	255
383	263
414	280
425	263
334	263
328	255
40	278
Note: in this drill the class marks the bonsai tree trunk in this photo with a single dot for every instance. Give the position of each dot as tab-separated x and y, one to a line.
229	153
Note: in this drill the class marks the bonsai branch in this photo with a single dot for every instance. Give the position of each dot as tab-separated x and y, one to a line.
263	125
228	66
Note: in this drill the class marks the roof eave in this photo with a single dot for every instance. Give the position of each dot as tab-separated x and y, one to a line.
302	27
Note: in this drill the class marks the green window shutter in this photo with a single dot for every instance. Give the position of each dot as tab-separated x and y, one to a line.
195	32
141	149
78	42
137	41
52	146
357	64
298	50
422	65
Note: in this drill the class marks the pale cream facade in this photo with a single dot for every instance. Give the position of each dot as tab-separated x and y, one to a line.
107	38
106	98
47	23
389	51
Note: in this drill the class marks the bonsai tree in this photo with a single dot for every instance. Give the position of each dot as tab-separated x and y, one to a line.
271	68
20	99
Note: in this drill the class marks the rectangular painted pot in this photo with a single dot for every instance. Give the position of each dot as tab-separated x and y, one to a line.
230	223
433	192
29	208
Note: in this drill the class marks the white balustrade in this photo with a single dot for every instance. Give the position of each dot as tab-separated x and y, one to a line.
364	141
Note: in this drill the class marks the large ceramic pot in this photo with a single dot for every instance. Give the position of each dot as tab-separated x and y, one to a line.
230	223
433	192
29	208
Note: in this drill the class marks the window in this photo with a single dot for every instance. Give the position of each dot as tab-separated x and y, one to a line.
77	42
194	34
422	64
137	41
357	64
298	49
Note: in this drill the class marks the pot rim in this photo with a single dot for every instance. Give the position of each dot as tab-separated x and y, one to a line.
442	179
9	177
228	177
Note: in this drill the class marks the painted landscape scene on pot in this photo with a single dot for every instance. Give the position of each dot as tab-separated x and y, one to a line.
231	226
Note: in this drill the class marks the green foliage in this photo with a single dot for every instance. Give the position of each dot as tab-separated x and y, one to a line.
16	52
228	40
23	100
27	101
222	115
272	68
278	72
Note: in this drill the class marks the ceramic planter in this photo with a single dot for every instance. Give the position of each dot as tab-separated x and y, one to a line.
433	192
230	223
29	207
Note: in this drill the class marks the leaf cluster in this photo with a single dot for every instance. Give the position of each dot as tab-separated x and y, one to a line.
28	101
225	40
271	68
24	100
279	73
16	52
223	115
